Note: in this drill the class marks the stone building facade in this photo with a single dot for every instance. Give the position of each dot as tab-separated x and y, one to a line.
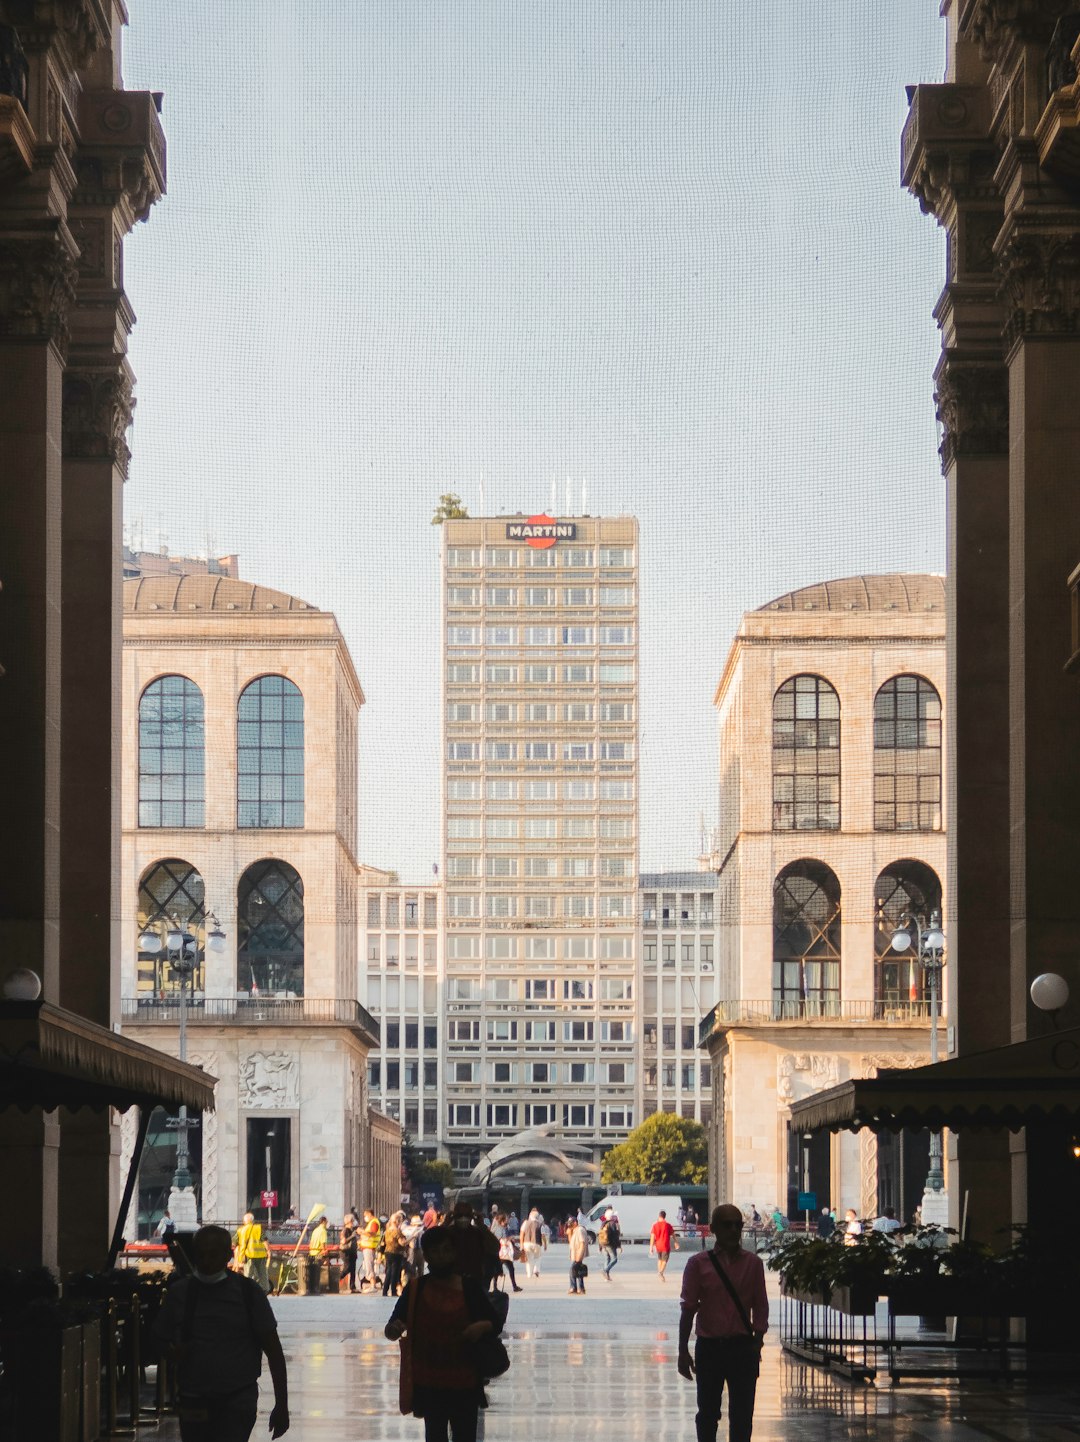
239	827
832	822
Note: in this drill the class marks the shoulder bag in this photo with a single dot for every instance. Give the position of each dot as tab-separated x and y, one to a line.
732	1293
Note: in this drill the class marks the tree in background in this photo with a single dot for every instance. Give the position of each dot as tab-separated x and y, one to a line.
450	508
663	1149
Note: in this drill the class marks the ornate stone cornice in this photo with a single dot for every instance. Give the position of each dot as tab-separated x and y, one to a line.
98	405
82	25
121	153
972	401
37	285
1040	281
946	154
996	24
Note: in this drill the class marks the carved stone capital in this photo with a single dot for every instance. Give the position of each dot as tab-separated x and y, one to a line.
972	401
37	286
121	154
98	405
946	155
1040	282
83	26
994	25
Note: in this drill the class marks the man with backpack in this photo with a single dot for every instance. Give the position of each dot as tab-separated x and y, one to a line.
609	1240
217	1326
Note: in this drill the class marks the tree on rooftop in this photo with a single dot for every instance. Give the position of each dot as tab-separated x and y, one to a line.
664	1149
450	508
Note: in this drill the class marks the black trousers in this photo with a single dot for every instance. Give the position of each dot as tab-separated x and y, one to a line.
732	1362
449	1414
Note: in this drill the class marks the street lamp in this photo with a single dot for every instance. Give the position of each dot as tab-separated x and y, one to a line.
181	947
929	943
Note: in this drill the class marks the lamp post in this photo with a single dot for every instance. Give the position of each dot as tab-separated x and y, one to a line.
929	943
181	948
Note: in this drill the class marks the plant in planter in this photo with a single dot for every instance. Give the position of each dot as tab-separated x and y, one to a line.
830	1270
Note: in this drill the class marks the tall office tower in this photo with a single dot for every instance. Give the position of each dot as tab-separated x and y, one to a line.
540	828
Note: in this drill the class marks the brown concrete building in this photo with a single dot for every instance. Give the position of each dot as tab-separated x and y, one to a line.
992	154
81	161
832	824
239	827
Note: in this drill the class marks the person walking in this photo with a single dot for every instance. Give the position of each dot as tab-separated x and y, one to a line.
826	1224
316	1256
217	1326
609	1240
723	1293
441	1316
532	1243
395	1246
252	1253
500	1229
369	1241
347	1245
853	1228
578	1241
661	1239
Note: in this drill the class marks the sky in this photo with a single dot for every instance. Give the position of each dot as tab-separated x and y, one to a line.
658	246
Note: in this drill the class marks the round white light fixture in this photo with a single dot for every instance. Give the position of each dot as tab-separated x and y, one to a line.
150	941
22	985
901	939
1049	992
216	939
175	938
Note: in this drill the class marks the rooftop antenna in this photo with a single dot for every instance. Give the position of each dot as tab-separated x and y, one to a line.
569	502
554	496
482	511
584	489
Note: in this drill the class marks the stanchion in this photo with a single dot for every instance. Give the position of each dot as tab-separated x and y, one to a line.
134	1377
111	1361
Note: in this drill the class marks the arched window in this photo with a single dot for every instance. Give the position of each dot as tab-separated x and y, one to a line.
171	764
170	891
907	756
806	941
270	930
806	756
270	754
900	982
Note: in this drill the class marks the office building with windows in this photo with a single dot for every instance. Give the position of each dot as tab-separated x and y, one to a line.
240	708
832	825
540	828
677	986
401	977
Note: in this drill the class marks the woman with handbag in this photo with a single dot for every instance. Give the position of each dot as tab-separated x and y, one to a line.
508	1247
347	1244
450	1347
578	1238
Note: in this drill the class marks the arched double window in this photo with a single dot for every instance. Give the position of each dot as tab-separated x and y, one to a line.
170	891
171	754
907	756
806	941
806	756
270	754
900	981
270	930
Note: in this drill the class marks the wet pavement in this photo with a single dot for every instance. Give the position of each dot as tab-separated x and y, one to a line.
603	1366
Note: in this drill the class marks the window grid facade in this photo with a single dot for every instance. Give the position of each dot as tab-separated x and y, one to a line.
806	756
900	980
270	931
806	941
172	768
270	754
907	756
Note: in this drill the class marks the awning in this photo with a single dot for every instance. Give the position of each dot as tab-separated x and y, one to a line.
1008	1086
53	1058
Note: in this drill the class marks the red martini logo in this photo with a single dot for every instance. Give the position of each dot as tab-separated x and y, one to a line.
540	532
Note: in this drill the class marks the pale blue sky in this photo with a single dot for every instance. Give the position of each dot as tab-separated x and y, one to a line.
656	244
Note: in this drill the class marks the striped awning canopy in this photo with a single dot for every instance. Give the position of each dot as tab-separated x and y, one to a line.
53	1058
1008	1086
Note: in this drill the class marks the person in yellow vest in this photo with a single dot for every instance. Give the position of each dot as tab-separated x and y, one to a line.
316	1252
252	1252
370	1232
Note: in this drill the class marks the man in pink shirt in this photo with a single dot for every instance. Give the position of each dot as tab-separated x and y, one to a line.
725	1291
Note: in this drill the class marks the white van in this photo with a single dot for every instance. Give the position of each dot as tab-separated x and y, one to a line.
636	1215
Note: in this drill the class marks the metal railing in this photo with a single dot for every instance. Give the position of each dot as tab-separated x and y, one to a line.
248	1010
813	1009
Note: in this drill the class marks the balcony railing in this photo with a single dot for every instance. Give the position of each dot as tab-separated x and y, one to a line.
811	1009
248	1011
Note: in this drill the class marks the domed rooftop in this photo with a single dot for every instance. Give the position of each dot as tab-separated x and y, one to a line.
866	593
205	593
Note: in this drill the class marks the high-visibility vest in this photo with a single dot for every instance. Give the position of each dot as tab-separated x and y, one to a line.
250	1242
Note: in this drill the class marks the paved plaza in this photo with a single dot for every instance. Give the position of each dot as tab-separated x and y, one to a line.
604	1367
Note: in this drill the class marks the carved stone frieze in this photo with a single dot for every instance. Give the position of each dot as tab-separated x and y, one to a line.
868	1169
210	1151
946	154
972	401
1040	283
98	406
81	25
800	1074
37	287
891	1061
269	1079
994	24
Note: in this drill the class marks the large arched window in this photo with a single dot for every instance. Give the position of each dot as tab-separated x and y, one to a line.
171	764
270	930
806	756
270	754
806	941
170	891
907	756
900	981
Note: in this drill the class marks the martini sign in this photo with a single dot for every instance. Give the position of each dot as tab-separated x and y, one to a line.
541	532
